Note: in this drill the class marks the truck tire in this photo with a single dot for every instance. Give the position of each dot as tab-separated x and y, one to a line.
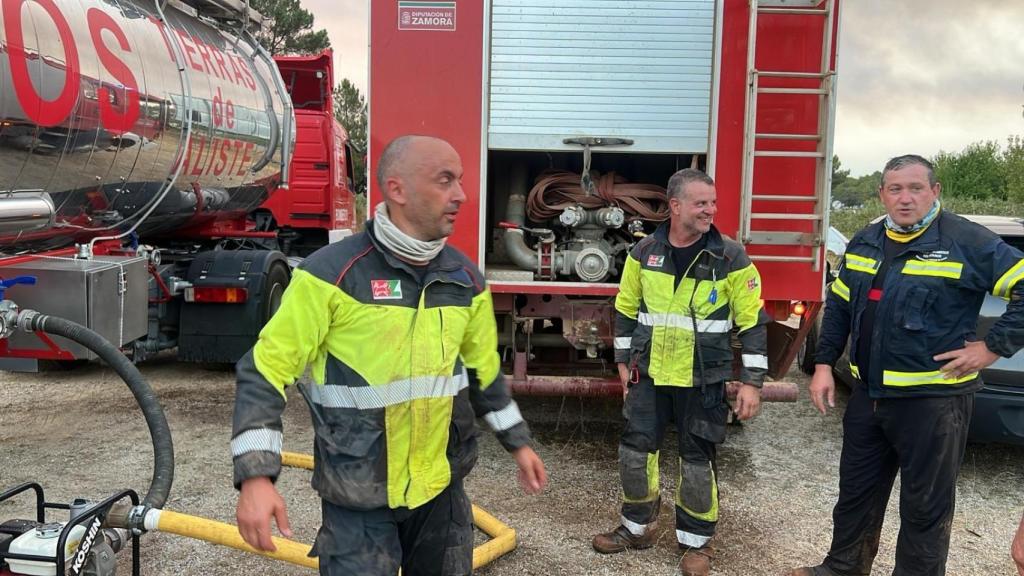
805	356
274	285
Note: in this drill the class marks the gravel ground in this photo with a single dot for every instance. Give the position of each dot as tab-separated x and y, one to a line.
80	435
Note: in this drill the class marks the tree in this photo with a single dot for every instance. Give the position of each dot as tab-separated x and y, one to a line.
838	174
1013	168
292	29
857	191
350	110
978	171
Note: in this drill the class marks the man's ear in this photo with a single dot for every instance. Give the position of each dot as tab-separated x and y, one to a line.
394	190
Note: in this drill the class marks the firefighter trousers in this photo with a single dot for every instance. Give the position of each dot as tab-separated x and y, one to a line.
435	539
699	417
924	440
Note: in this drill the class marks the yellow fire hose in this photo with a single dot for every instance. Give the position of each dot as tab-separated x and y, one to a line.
503	538
227	535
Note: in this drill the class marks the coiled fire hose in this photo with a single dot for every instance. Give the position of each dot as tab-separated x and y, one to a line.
555	190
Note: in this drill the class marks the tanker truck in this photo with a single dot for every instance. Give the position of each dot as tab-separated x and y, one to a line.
161	173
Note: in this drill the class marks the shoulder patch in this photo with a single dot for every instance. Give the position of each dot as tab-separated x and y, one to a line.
386	289
656	260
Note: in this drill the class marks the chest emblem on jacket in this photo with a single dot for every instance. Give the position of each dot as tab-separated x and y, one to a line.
386	289
934	256
655	261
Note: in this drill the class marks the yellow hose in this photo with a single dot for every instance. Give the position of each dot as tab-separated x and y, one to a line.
227	535
503	538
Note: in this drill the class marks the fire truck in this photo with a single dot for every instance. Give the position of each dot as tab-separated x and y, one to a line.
161	174
570	117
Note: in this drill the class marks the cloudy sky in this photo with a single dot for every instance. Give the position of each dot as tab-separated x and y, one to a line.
915	76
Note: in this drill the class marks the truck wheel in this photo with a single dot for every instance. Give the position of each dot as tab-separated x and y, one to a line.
274	283
805	356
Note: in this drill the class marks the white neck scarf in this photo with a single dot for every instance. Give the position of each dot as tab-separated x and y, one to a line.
403	245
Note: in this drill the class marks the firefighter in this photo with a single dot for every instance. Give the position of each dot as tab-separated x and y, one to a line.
908	297
682	291
399	334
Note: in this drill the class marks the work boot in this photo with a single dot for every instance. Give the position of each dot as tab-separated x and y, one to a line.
819	570
621	539
696	561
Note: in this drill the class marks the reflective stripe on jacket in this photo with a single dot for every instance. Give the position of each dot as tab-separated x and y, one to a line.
402	360
658	325
929	304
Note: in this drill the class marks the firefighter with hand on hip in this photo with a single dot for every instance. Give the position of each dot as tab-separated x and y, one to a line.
399	333
682	290
907	298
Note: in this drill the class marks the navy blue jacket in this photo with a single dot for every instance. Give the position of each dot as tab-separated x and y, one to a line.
930	301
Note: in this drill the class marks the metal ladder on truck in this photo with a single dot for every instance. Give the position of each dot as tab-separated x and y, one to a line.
825	92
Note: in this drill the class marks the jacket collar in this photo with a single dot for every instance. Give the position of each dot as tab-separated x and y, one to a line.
715	243
441	266
928	240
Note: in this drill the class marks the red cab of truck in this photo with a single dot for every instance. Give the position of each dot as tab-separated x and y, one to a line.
317	207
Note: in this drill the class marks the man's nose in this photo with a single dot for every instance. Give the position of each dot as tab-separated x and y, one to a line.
458	195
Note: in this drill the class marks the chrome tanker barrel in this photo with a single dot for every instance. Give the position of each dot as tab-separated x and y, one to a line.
116	113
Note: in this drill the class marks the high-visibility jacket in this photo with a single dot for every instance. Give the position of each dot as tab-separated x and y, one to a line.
680	336
928	305
402	360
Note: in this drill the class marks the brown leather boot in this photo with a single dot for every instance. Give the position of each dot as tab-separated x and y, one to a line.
621	539
696	561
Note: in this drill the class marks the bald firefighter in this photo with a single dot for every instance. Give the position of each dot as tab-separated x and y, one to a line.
399	333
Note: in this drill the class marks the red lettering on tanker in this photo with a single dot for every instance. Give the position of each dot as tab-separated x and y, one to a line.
116	119
414	15
118	101
227	156
43	112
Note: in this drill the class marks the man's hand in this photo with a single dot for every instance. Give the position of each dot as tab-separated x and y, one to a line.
1017	548
257	503
970	359
823	387
532	476
748	402
624	377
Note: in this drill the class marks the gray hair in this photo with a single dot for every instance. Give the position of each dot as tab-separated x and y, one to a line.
393	154
678	182
900	162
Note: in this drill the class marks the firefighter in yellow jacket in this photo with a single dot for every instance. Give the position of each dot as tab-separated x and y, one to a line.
683	290
398	331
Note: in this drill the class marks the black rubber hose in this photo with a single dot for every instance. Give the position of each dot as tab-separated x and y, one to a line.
159	432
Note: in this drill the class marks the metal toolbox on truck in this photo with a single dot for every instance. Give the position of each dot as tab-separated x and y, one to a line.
108	294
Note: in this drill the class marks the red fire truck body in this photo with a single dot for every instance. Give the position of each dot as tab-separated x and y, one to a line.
640	89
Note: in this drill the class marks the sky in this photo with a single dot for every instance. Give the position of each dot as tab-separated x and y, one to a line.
915	76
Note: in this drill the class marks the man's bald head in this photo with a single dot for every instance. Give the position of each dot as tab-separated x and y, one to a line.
420	178
398	153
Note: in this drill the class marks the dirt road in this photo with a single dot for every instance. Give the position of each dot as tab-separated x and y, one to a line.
80	434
